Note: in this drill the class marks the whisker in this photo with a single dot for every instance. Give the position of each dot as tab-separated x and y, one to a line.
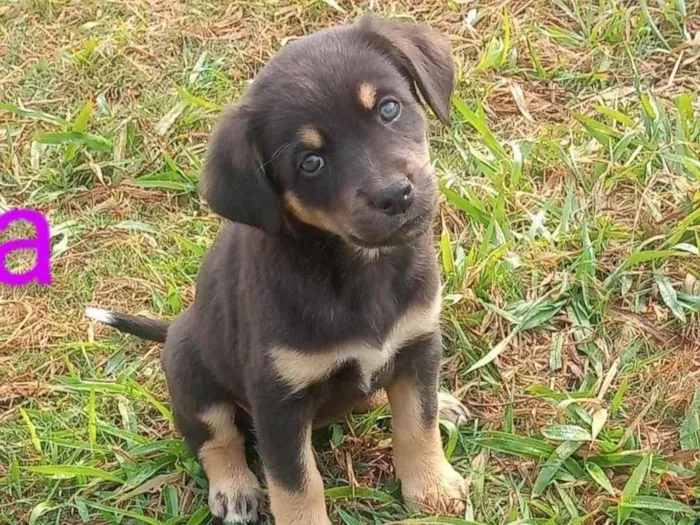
276	154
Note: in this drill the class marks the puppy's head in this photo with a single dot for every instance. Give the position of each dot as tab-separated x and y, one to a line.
332	134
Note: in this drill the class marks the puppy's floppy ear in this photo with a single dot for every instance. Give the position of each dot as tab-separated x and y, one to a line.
234	182
426	55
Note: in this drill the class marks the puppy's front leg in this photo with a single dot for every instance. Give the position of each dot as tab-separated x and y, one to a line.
295	485
427	478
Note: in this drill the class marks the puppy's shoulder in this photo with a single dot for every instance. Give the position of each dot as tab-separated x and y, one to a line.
227	260
233	244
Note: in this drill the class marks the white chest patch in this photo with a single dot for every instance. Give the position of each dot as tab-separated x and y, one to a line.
300	370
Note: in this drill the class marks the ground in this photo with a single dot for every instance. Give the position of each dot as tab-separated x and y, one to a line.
568	235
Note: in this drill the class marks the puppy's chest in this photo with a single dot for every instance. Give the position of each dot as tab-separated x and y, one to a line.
300	368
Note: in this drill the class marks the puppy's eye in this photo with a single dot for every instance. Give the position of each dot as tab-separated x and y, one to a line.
311	164
389	109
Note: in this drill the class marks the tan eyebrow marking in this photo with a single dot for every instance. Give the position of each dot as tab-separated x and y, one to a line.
367	94
311	137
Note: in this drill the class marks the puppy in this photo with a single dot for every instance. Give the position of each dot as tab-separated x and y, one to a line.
322	294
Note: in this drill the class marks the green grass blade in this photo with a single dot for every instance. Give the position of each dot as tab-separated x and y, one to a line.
162	184
32	430
197	101
435	521
639	258
506	39
89	140
196	249
619	395
172	503
669	296
452	437
553	464
617	116
15	477
555	357
92	419
491	56
352	493
35	115
637	516
448	262
39	510
525	447
599	131
568	502
346	518
633	459
142	392
122	512
684	105
198	517
472	208
71	471
598	475
566	433
81	121
691	219
632	488
652	25
80	125
657	503
482	128
690	428
494	352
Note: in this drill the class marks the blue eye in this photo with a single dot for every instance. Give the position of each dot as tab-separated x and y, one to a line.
311	164
389	109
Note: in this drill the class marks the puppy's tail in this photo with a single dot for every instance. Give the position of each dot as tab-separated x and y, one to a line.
139	326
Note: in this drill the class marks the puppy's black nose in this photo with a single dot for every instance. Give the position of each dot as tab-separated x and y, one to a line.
395	198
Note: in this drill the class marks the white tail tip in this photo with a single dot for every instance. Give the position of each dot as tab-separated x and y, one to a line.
98	314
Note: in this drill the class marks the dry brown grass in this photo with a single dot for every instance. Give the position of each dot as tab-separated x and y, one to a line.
145	50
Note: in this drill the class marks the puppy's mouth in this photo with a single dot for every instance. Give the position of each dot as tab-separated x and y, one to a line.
412	225
403	234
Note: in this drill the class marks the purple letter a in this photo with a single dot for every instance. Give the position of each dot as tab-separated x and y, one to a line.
41	244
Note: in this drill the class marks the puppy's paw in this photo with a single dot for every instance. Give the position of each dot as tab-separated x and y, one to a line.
235	499
442	492
451	409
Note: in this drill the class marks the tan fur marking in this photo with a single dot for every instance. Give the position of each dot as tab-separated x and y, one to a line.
311	137
367	94
310	216
301	370
223	459
427	478
224	451
307	507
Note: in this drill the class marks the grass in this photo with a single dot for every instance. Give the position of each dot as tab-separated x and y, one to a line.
568	235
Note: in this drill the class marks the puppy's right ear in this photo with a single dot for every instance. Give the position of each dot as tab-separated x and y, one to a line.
425	53
234	182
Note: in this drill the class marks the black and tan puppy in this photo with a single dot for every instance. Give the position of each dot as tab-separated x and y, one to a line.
324	289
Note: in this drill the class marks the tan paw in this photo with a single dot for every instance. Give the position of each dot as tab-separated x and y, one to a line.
451	409
235	500
441	492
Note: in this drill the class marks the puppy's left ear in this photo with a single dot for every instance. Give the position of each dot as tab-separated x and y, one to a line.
234	181
425	53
